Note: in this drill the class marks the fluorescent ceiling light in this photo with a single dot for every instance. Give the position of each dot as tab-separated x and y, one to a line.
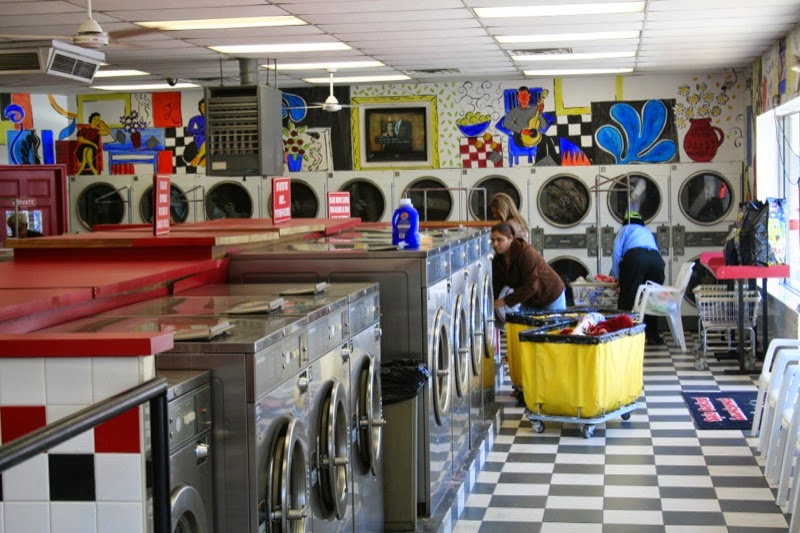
559	10
576	71
359	79
572	57
555	37
119	73
143	87
220	24
276	48
332	64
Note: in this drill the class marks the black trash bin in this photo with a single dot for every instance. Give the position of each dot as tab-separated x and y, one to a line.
402	381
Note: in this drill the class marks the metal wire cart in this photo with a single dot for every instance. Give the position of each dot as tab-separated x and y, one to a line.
718	309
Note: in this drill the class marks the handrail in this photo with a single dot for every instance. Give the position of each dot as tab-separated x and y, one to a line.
155	390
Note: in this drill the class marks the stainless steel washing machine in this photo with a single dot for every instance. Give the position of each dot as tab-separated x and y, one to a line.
190	454
411	280
462	348
476	307
260	393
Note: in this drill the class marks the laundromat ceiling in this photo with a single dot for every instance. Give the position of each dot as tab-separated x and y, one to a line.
426	40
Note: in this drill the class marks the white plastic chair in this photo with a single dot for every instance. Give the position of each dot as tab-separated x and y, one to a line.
783	413
665	300
787	441
772	396
775	346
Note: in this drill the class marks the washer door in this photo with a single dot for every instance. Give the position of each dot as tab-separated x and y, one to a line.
100	203
287	480
564	201
178	205
569	269
305	203
187	511
334	453
366	199
228	200
487	316
430	201
479	200
442	377
370	416
705	198
476	327
463	343
643	196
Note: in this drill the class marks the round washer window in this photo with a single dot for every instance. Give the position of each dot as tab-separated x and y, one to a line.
366	199
178	205
228	200
644	194
434	204
705	198
479	202
564	201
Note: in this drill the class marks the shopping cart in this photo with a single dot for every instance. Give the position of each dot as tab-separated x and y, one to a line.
718	311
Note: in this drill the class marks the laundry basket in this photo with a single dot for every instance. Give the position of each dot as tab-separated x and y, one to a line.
595	294
718	311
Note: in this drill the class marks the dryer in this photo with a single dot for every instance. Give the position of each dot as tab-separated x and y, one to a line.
481	184
704	205
643	188
372	196
565	205
186	199
430	195
260	381
309	195
101	199
232	197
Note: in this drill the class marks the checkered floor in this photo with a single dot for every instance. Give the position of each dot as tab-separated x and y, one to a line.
654	472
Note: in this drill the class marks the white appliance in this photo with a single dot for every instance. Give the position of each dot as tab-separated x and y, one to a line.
232	197
372	197
100	199
308	190
642	188
568	235
186	198
704	205
427	190
482	184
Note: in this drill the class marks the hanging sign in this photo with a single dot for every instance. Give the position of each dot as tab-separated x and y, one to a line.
281	199
161	208
339	204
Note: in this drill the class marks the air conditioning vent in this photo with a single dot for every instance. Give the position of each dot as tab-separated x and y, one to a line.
432	71
540	51
52	58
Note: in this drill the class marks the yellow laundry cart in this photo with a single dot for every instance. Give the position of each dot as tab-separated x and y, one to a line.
581	379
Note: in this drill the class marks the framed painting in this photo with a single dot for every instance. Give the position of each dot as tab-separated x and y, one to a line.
395	132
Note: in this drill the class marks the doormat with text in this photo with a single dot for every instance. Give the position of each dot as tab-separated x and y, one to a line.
721	410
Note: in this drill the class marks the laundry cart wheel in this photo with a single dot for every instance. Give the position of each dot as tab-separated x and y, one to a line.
625	416
587	430
538	426
700	363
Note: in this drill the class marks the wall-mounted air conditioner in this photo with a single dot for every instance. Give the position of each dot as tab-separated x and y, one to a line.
25	60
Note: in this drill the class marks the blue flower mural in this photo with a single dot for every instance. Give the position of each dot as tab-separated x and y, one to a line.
645	136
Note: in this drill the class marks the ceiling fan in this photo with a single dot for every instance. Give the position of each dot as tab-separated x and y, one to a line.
331	103
88	35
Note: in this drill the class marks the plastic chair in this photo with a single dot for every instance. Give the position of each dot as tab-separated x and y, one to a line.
665	300
787	445
783	415
775	346
772	396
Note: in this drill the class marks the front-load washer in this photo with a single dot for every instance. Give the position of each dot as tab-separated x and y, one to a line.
190	454
182	207
260	394
232	197
102	199
372	196
476	307
411	280
308	193
482	184
704	207
462	348
436	195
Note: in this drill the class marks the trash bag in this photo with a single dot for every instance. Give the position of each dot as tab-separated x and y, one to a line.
762	238
402	379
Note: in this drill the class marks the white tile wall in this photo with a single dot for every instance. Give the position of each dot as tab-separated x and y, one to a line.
112	375
73	517
28	481
27	517
68	380
120	517
118	477
83	443
22	381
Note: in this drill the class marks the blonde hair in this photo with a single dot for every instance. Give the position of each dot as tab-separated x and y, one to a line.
507	209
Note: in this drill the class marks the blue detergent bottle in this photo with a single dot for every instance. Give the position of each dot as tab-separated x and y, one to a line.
405	225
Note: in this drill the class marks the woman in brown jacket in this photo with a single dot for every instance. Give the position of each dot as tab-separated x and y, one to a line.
518	266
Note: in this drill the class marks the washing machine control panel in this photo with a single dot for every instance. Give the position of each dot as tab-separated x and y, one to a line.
188	416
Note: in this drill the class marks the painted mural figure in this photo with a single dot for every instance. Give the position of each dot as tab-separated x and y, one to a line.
524	121
195	152
89	142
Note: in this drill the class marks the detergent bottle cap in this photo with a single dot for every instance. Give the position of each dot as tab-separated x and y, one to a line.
405	201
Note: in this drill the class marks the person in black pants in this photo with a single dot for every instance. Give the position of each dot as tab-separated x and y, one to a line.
636	260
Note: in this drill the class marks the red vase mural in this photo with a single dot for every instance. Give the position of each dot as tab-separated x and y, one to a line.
702	140
136	139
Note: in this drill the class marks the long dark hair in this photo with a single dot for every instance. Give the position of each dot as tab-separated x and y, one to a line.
504	228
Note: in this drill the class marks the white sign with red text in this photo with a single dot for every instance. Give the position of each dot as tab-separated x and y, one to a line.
281	199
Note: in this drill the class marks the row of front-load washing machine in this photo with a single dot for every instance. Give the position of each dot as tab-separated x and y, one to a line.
295	403
437	307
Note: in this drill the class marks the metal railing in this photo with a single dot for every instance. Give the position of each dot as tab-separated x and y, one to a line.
468	191
154	391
